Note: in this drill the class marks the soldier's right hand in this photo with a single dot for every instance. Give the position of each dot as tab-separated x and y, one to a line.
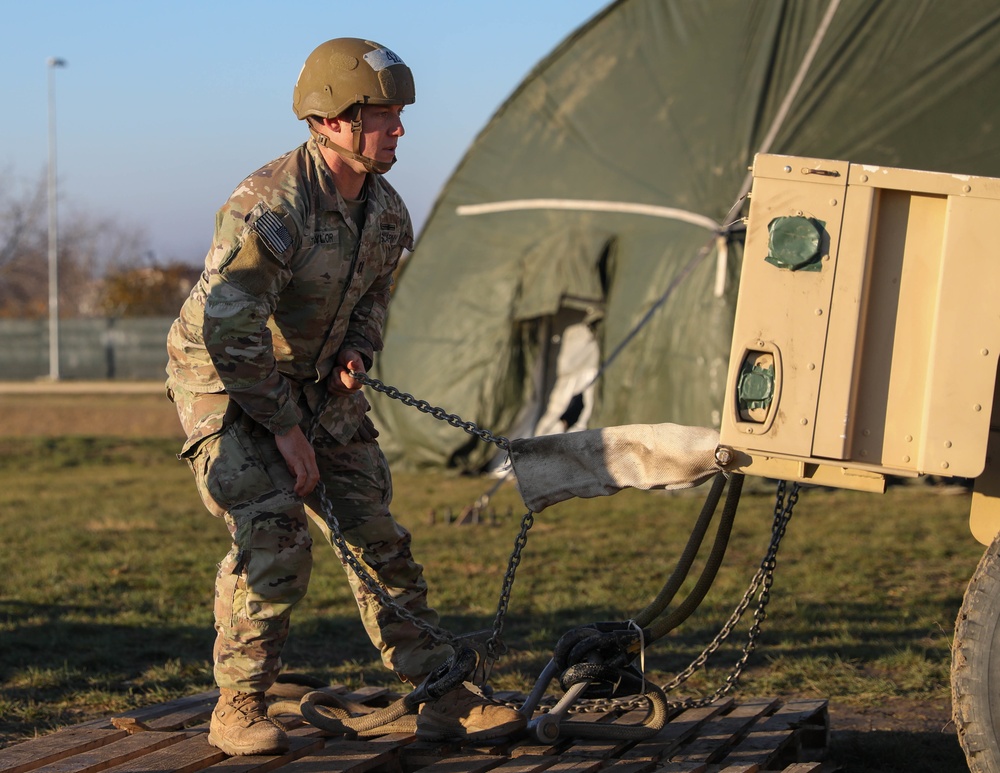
300	458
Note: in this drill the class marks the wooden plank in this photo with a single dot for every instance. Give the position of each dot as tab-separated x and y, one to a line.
526	764
796	713
341	756
301	742
677	731
178	720
632	766
465	764
104	757
532	747
614	748
29	755
187	756
762	748
716	737
576	766
723	738
147	713
595	748
811	721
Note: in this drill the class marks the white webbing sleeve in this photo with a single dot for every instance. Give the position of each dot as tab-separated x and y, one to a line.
599	462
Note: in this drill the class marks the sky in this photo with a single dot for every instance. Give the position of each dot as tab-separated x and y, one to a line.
163	107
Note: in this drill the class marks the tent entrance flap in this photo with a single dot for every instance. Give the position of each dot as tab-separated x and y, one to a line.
600	462
559	304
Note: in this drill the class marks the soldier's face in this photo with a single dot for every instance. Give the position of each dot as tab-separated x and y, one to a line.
381	128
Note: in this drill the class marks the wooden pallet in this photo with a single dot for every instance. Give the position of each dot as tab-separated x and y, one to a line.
727	737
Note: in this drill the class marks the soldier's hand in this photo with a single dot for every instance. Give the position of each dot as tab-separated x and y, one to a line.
366	431
340	380
300	458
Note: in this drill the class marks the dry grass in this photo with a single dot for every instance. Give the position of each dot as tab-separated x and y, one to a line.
95	410
109	605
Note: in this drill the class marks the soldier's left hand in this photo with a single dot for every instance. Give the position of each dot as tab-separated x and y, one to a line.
340	380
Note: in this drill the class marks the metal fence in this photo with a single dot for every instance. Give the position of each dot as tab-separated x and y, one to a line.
89	349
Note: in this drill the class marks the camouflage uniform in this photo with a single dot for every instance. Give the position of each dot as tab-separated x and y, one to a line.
289	282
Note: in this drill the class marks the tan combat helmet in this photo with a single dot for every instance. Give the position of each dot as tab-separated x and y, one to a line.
347	73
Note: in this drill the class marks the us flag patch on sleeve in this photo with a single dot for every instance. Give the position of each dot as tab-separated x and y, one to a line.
272	232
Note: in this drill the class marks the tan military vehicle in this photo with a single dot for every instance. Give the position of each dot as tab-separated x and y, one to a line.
865	346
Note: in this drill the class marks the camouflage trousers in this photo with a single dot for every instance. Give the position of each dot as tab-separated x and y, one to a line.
242	477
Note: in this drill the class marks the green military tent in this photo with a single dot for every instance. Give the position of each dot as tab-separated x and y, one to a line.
581	264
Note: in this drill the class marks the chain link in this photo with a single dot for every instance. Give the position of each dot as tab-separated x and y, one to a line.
762	580
433	632
438	413
494	646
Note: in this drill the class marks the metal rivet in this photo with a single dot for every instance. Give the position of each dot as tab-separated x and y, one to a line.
833	202
947	444
977	407
966	188
864	178
909	438
811	366
803	422
984	352
867	433
788	169
819	312
906	458
944	465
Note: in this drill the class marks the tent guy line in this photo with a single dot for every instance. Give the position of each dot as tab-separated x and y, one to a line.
793	90
515	205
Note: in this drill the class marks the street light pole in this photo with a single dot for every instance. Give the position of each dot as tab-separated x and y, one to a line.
53	62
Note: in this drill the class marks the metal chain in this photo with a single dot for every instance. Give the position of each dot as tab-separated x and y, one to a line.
763	580
494	646
438	413
433	632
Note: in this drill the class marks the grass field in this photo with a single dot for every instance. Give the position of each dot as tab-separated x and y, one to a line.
109	562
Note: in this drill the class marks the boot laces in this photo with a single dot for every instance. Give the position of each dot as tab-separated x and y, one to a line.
250	705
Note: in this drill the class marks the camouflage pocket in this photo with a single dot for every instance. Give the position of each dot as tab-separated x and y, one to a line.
229	471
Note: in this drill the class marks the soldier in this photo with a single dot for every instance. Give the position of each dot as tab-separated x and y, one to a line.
292	300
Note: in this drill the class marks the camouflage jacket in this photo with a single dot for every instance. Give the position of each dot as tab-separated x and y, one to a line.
280	297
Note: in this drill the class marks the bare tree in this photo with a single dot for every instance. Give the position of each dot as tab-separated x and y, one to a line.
146	291
90	247
23	268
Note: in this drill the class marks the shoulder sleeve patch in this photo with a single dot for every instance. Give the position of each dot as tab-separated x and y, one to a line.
258	264
273	233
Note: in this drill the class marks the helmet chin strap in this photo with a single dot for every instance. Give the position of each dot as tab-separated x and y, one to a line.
370	164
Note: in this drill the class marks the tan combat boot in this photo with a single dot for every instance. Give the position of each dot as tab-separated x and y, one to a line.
464	715
240	725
